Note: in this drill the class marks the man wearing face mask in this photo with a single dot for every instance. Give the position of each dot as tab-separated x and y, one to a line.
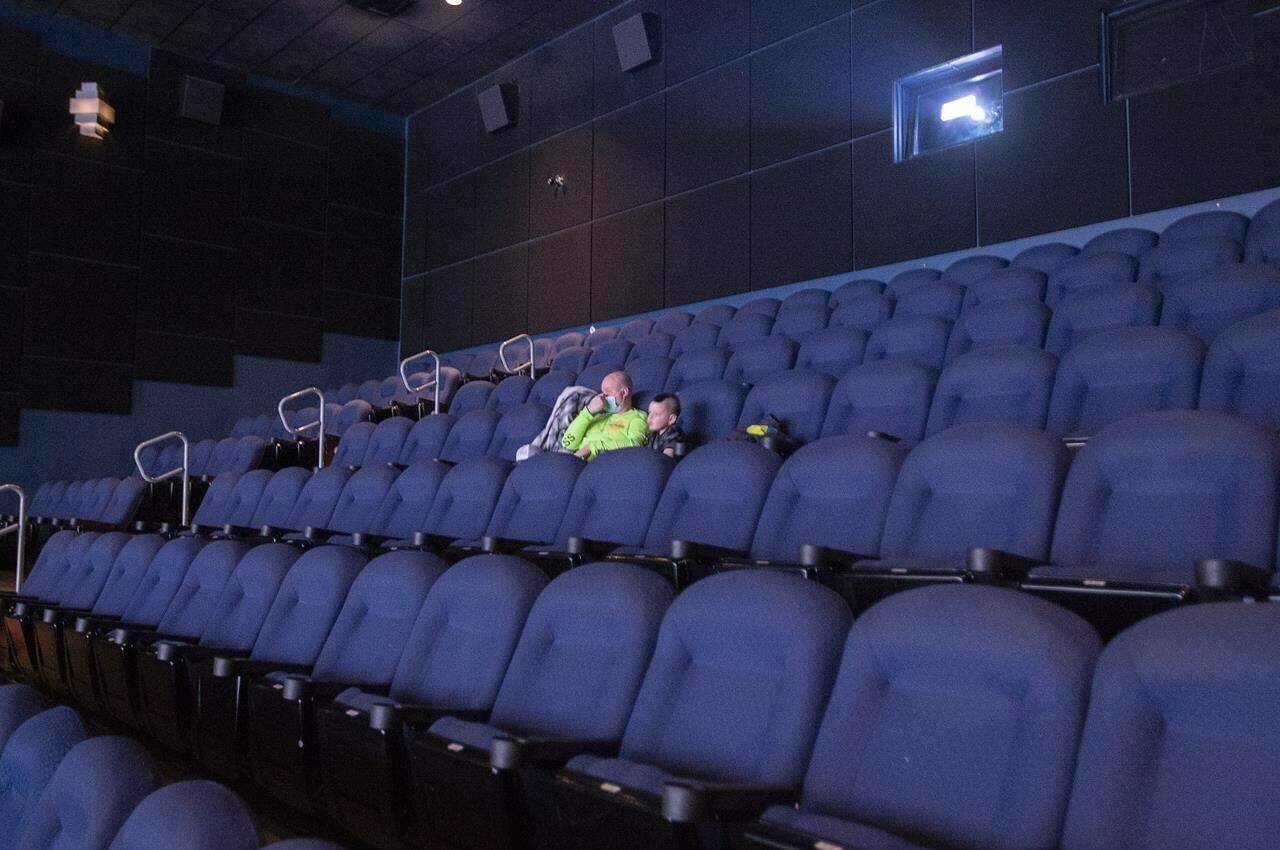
609	421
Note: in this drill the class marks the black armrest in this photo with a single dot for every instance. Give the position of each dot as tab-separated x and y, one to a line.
423	540
813	555
300	687
688	802
881	435
88	624
123	633
1221	578
509	752
1077	442
687	550
997	564
57	613
585	548
317	534
367	541
502	545
386	717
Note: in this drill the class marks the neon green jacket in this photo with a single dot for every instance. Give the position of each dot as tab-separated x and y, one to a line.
602	432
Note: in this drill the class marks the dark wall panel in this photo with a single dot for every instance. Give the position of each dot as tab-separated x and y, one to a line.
185	359
452	126
613	86
1059	163
56	384
568	155
192	194
15	211
83	209
17	130
451	222
10	418
500	305
360	253
412	306
502	203
628	157
19	53
446	313
775	19
709	128
283	267
801	225
366	170
274	170
361	314
11	315
80	310
560	280
708	243
417	181
561	83
627	263
702	34
902	211
279	335
187	288
1042	40
293	118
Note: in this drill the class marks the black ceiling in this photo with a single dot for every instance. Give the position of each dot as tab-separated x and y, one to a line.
400	64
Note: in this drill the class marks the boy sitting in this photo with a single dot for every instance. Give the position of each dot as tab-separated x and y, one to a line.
664	433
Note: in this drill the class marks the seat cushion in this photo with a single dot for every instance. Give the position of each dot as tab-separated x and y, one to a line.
629	774
471	733
833	830
362	700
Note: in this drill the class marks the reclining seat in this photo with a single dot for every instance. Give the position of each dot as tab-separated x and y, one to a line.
200	460
316	503
1224	223
572	360
887	397
212	510
532	504
18	704
648	377
120	509
709	410
745	327
1133	241
601	336
613	353
426	438
1044	258
93	791
672	323
731	703
1015	283
850	290
798	399
548	387
1118	373
923	744
1177	723
937	300
470	436
708	510
386	442
1262	244
904	282
1009	385
463	504
101	500
512	392
656	344
998	323
1151	497
914	339
27	764
290	640
407	505
192	815
1082	314
517	428
452	664
716	315
864	313
1206	304
275	504
1169	261
482	364
707	364
1242	373
760	358
973	503
798	319
636	329
697	337
832	351
355	513
969	269
1090	271
361	650
165	696
571	686
765	306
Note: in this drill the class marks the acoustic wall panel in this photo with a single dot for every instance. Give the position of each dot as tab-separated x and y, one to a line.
361	314
80	310
502	203
1041	40
560	280
362	252
446	313
628	157
280	335
801	219
54	383
283	269
17	129
451	222
192	194
709	128
81	208
10	418
186	287
561	79
452	132
553	207
500	304
627	263
11	315
366	170
772	19
19	53
184	359
294	118
15	211
702	34
276	170
164	94
708	243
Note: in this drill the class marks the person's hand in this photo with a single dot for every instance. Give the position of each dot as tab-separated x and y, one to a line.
669	452
583	453
596	405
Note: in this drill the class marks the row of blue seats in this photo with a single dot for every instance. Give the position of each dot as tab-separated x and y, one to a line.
496	710
65	790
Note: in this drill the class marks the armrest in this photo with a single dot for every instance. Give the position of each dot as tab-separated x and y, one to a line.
997	564
813	555
87	624
586	548
367	541
300	687
423	540
248	667
881	435
501	545
192	652
56	614
1221	578
510	752
688	802
123	633
386	717
687	550
317	534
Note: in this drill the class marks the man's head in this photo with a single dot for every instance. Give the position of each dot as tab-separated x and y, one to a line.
664	410
617	386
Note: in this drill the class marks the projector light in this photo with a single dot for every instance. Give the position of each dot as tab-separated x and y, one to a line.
964	107
454	2
91	112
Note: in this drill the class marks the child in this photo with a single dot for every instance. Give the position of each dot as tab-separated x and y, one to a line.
664	433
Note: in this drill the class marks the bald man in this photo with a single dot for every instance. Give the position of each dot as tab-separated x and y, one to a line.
609	421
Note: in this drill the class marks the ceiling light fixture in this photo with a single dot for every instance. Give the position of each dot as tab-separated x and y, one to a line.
454	2
91	111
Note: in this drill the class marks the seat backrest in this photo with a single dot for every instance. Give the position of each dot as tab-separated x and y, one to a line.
593	376
759	358
53	563
306	605
517	428
765	306
601	336
656	344
549	386
743	328
968	269
244	425
426	438
740	674
358	410
510	394
1161	490
534	498
382	605
247	595
94	789
714	497
1178	706
466	497
192	815
890	397
1090	271
832	351
833	492
1009	385
937	300
30	757
717	315
354	444
583	653
999	323
912	340
1086	312
408	503
318	498
247	455
1231	225
369	391
1241	371
216	502
572	360
130	566
470	436
264	424
613	353
798	399
709	410
615	496
672	323
387	441
798	318
160	583
1117	373
483	363
966	739
1044	258
636	329
810	297
1262	245
1192	255
76	565
903	282
649	374
341	395
707	364
279	497
201	460
994	486
1206	304
100	500
18	703
696	337
463	637
847	292
96	568
473	395
125	499
1133	241
1015	282
356	510
571	339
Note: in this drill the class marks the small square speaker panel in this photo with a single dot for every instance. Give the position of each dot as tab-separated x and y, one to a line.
201	100
499	106
638	40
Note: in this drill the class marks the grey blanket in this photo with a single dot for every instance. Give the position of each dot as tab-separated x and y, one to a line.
569	403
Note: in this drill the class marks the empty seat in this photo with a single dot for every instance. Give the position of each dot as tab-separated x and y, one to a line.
742	668
903	282
1133	241
601	336
547	388
362	496
1224	223
407	506
426	438
649	375
1044	258
759	358
244	425
1175	709
764	306
969	269
570	339
1015	283
613	353
386	442
593	376
716	314
534	499
850	290
1085	313
709	409
1262	245
473	395
198	459
543	353
697	337
1193	255
1208	303
910	340
811	297
317	500
707	364
18	703
31	755
744	328
278	498
801	318
517	428
465	499
796	399
937	300
1242	372
887	397
932	721
1009	385
470	436
656	344
507	395
599	510
122	506
482	364
369	391
1090	271
999	323
355	411
864	313
1117	373
832	351
636	329
672	323
192	815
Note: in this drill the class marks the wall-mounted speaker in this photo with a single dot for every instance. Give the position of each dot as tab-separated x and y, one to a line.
201	100
638	40
499	106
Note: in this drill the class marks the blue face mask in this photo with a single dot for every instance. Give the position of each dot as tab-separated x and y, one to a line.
611	404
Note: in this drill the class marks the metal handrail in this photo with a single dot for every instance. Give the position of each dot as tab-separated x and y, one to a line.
404	375
298	430
502	353
183	470
21	527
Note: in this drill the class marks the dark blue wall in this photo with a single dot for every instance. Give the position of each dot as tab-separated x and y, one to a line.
757	152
